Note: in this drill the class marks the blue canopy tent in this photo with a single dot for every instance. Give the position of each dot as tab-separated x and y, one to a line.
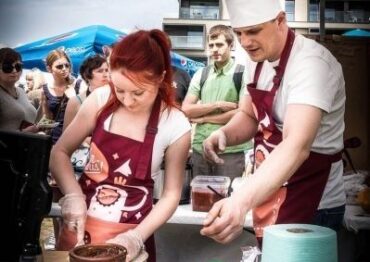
357	33
82	43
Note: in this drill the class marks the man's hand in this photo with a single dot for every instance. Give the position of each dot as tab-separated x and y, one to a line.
225	220
225	106
74	214
198	120
214	144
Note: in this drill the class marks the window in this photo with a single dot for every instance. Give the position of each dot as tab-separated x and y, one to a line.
289	9
185	37
206	9
340	11
313	11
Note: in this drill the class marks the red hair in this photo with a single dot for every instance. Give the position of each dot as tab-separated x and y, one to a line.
142	57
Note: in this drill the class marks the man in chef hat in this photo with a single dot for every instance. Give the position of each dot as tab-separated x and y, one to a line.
294	109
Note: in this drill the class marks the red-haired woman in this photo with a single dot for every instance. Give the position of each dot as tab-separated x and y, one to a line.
135	125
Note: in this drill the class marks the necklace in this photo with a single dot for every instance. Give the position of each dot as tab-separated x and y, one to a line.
15	96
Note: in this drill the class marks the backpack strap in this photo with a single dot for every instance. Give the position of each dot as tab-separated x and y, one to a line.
238	77
203	78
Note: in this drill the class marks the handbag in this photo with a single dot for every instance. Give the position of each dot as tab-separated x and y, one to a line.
80	158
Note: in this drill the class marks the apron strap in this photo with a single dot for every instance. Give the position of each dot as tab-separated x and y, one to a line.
336	157
280	69
257	72
147	146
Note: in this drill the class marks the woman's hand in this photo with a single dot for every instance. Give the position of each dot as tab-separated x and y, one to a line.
131	240
31	129
74	214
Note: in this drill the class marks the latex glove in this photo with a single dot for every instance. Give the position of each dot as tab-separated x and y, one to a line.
74	214
131	240
214	144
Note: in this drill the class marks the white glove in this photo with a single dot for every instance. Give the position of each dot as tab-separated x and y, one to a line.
131	240
74	214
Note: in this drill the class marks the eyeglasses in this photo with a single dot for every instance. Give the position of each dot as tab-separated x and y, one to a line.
61	66
8	68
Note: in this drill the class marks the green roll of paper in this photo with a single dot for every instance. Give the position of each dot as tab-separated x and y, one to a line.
299	243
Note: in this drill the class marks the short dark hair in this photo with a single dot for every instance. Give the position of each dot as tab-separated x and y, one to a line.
217	30
9	56
89	64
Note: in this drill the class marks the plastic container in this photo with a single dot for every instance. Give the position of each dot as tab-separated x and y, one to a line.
207	190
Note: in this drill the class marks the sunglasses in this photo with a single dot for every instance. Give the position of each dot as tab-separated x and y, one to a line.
61	66
8	68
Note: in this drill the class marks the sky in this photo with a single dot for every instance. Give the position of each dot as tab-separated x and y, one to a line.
24	21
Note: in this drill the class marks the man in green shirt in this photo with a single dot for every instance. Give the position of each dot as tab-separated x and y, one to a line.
211	104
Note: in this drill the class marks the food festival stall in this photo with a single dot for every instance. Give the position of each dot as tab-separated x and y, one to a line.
84	42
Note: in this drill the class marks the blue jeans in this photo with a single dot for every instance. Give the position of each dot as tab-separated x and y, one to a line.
330	217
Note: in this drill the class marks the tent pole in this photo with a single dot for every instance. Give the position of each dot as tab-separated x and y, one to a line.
322	20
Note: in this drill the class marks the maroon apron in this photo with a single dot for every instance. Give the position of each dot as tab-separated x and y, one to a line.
298	199
117	183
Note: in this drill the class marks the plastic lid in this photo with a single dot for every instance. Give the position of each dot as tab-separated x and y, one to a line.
214	181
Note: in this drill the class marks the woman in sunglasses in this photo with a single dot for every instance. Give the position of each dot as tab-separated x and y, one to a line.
55	97
16	111
135	125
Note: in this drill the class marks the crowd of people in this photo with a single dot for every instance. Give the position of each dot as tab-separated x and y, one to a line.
135	111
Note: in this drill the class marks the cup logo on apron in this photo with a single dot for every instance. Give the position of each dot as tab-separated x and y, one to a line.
110	202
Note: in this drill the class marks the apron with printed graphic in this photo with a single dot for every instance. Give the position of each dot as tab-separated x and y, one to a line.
117	183
298	199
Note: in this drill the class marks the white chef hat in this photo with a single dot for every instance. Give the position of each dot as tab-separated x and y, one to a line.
245	13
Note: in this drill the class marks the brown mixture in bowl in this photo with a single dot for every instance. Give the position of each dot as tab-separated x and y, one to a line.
98	253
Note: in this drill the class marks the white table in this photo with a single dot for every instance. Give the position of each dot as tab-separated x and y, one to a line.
183	215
